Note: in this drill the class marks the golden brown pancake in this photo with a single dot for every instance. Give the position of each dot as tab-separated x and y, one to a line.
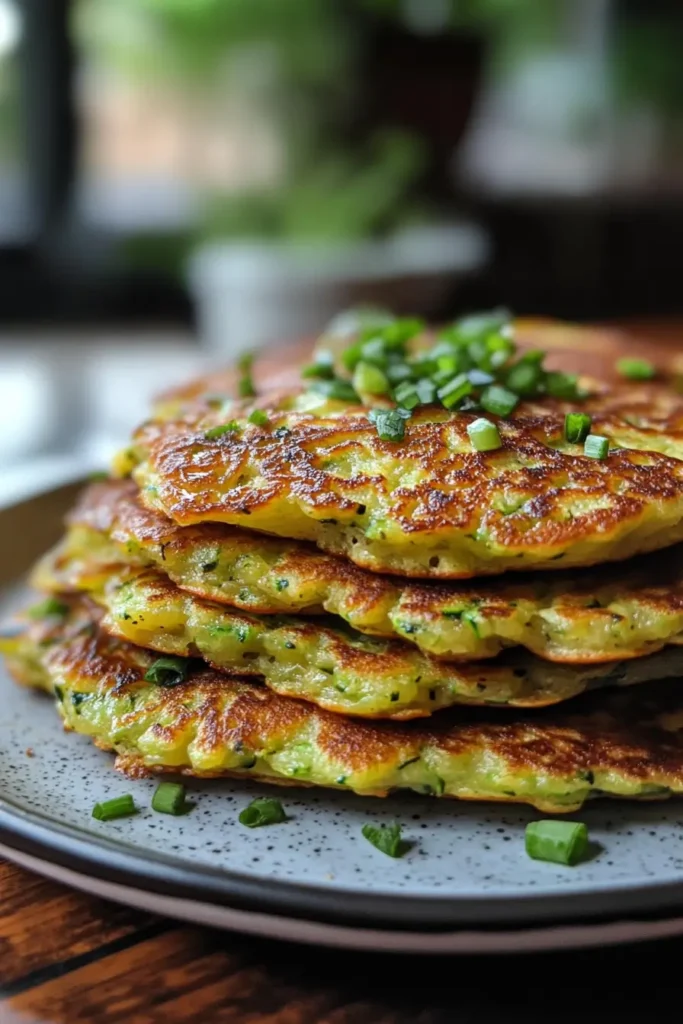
627	744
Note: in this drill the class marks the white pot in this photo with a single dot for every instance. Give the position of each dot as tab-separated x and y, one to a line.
251	294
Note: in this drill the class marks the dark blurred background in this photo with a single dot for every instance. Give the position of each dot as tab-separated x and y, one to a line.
181	177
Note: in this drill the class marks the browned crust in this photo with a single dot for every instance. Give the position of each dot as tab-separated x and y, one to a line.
567	498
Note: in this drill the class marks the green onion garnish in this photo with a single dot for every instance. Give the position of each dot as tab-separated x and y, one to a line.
524	378
564	842
457	389
341	390
406	395
596	446
262	811
118	807
49	608
562	385
245	385
168	671
259	417
225	428
370	380
323	366
390	424
426	391
498	400
98	476
169	798
386	838
636	369
576	427
484	435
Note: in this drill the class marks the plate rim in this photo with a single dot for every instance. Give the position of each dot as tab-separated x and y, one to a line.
114	861
99	857
468	942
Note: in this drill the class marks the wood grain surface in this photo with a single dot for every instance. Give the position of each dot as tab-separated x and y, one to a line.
67	958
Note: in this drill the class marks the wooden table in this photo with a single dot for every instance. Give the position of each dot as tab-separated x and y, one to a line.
67	958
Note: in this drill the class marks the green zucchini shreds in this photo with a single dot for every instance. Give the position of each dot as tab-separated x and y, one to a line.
225	428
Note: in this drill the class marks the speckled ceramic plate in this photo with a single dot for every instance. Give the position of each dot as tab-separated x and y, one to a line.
466	884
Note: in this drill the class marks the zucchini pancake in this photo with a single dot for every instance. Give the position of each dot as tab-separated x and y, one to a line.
266	576
628	744
604	613
341	670
432	505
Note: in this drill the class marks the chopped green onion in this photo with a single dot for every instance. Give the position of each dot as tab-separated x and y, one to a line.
448	364
400	331
398	372
484	435
225	428
499	400
390	423
426	391
50	607
98	476
479	378
524	377
168	671
386	838
169	798
596	446
262	811
340	390
118	807
636	369
406	395
370	380
375	352
563	842
479	324
562	385
245	385
322	367
453	392
576	427
259	417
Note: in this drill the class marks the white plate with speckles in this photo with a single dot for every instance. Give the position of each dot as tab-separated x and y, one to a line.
466	885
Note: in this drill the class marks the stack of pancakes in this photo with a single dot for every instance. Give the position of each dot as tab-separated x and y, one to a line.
268	588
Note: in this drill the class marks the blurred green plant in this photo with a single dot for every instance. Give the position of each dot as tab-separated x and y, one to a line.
297	59
340	197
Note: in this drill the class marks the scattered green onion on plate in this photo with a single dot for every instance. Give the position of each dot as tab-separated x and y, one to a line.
563	842
262	811
386	838
169	798
118	807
